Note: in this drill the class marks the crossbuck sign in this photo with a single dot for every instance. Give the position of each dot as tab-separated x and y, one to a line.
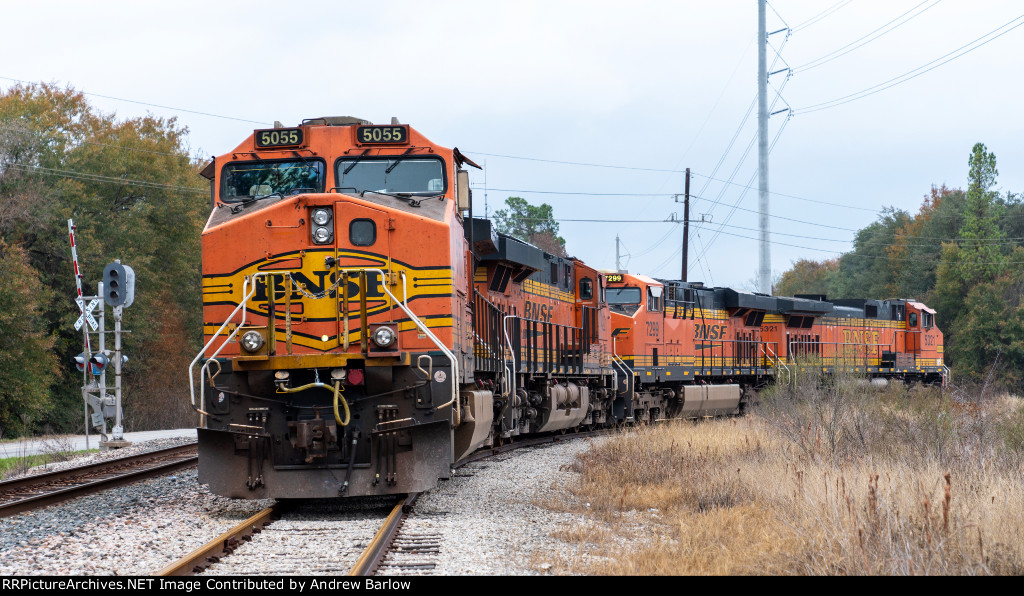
86	313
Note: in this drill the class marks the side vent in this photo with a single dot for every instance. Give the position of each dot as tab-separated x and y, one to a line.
499	281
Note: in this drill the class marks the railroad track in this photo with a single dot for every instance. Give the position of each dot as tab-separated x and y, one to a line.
300	531
308	538
40	490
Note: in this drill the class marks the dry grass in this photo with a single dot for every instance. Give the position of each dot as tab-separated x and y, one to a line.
54	449
828	478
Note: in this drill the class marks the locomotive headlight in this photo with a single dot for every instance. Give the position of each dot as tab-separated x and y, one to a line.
384	337
321	217
321	235
251	341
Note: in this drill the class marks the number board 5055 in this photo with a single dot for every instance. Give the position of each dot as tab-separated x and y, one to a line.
278	137
383	135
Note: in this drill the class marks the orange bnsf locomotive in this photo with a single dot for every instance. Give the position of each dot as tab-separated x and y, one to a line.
363	331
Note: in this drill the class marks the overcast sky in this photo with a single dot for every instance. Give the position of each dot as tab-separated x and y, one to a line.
650	87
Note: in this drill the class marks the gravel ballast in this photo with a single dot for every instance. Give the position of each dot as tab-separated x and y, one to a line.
485	515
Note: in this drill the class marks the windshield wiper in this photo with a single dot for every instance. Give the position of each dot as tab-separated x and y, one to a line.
404	196
354	162
252	200
398	160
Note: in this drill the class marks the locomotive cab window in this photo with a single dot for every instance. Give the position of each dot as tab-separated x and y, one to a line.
623	300
245	180
654	299
586	289
912	319
421	176
362	232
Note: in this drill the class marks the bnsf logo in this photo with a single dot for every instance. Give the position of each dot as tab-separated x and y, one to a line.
324	279
710	331
537	312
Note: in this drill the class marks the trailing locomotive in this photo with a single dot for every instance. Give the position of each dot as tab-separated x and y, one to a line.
364	331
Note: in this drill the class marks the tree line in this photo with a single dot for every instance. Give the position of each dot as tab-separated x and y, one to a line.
134	193
962	253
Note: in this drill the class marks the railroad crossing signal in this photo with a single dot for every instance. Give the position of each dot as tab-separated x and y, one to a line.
86	313
98	363
118	284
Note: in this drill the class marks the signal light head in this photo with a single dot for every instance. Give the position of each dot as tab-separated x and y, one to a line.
79	362
118	285
98	363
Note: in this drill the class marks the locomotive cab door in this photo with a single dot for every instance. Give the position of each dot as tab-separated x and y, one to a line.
913	333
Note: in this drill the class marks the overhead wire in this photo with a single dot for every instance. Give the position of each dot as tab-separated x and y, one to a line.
912	74
788	196
732	141
42	135
743	194
102	178
855	44
1001	241
866	256
152	105
822	15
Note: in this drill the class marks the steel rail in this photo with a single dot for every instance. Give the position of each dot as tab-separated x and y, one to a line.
368	562
375	552
86	487
225	544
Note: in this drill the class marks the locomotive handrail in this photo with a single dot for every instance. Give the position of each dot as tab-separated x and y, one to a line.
191	377
777	360
626	370
512	354
247	295
842	359
454	402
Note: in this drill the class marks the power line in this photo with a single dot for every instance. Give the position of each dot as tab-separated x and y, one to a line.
666	195
586	194
779	194
866	256
101	178
964	242
839	52
152	105
574	163
907	76
44	136
735	205
822	15
810	223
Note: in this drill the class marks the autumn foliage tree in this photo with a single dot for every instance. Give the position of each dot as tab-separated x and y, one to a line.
134	194
28	365
962	253
807	277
